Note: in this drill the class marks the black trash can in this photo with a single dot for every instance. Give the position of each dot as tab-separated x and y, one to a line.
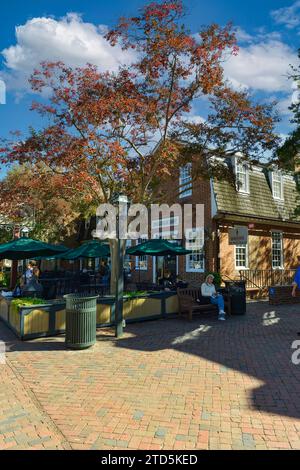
237	294
81	313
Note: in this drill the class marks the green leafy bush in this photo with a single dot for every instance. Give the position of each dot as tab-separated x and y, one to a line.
26	301
4	279
135	293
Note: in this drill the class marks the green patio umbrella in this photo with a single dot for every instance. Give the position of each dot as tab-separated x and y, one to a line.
26	248
89	249
157	247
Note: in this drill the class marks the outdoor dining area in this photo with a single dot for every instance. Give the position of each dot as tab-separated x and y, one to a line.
42	305
39	307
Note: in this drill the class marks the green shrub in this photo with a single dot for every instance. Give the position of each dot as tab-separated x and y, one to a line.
134	293
26	301
4	279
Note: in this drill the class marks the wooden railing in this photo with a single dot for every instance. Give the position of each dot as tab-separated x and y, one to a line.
261	278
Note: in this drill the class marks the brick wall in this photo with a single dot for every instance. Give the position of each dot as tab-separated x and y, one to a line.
219	255
259	248
200	195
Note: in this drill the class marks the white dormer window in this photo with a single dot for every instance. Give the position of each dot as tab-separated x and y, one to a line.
242	177
277	185
185	181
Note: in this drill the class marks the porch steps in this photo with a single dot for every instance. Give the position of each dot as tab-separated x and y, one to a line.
256	292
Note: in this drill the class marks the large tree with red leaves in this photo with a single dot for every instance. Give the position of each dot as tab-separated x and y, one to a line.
121	131
112	131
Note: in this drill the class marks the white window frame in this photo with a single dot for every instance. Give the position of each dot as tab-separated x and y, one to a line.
278	179
188	269
242	168
127	258
160	224
170	236
185	181
246	257
281	249
165	222
138	266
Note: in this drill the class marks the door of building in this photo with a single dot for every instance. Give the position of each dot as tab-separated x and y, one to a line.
163	264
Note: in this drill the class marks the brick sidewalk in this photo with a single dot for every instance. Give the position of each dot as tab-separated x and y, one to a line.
165	385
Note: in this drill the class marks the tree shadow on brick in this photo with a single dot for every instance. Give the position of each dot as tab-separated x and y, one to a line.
46	343
258	345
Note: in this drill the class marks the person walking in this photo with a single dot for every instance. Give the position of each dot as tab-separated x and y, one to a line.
296	283
208	290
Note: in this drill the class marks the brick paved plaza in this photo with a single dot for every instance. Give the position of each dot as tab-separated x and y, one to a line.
166	384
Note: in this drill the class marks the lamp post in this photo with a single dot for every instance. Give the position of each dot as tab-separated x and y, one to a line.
119	244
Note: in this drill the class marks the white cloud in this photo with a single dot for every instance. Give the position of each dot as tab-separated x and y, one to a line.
288	16
283	138
242	35
195	119
69	39
262	66
285	103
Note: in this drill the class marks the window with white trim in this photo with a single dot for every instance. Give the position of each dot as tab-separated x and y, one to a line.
185	181
141	262
277	185
165	227
277	250
242	177
241	256
127	258
195	242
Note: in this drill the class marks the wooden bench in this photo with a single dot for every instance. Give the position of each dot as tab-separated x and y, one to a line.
187	302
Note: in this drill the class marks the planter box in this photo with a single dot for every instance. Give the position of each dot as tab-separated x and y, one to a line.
35	320
139	308
283	295
49	319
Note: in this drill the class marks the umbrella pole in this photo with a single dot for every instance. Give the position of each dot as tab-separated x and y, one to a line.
14	264
139	265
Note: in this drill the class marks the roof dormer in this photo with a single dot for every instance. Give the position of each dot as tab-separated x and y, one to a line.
276	181
241	170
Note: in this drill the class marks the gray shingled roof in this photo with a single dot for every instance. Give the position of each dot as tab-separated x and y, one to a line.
259	202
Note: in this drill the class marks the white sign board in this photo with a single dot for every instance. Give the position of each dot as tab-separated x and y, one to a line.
238	235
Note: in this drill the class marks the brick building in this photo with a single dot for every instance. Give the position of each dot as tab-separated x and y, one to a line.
264	201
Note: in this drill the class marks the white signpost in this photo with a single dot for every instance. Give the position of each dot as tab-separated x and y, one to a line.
238	235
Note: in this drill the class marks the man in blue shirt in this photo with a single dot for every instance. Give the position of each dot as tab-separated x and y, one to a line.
296	282
28	273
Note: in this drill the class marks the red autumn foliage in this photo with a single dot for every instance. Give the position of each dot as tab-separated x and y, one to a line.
120	131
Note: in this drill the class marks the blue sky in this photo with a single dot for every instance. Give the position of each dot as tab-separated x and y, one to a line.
268	32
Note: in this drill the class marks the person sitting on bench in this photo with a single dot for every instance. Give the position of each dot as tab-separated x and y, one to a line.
208	290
